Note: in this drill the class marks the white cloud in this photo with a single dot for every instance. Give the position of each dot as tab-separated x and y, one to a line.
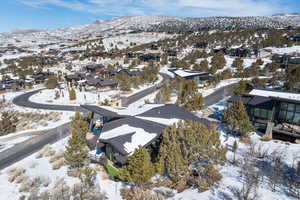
188	8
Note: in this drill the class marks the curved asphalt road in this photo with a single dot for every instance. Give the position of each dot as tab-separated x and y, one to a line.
24	149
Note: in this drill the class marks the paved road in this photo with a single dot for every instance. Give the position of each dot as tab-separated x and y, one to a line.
24	149
219	95
133	98
23	100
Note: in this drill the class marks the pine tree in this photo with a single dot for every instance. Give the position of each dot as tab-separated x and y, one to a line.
188	97
238	64
240	88
7	123
76	150
170	154
217	62
51	83
203	66
139	168
72	94
237	117
185	143
79	125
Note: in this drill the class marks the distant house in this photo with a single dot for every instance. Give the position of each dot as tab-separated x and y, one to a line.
131	72
95	68
286	59
197	76
107	83
201	45
124	130
171	53
75	77
149	57
295	37
223	50
154	47
242	52
40	77
273	111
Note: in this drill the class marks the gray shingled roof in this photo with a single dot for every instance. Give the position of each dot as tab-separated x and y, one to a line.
169	111
101	111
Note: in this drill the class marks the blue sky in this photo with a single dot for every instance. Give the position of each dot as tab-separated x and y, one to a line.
50	14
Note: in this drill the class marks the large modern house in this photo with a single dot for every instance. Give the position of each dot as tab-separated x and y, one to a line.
125	130
198	76
275	112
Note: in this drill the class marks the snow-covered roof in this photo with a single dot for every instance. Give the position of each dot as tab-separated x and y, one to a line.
139	126
187	73
276	94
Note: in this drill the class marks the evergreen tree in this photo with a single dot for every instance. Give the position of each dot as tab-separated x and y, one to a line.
237	118
79	125
217	62
51	83
163	95
188	97
171	156
238	64
240	88
139	168
203	66
7	123
72	94
185	143
76	150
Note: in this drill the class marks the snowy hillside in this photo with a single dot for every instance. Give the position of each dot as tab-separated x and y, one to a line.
154	23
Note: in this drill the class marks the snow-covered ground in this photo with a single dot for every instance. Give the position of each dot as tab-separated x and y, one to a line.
285	50
144	87
230	173
47	96
124	41
41	167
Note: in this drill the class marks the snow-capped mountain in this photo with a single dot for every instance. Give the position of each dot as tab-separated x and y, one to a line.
293	18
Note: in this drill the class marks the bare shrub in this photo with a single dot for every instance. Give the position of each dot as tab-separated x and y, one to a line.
58	164
21	178
14	173
61	190
57	156
136	193
250	178
75	172
26	186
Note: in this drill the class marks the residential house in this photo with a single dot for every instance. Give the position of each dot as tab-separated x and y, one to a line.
275	112
201	45
242	52
171	53
128	72
198	76
40	77
286	59
103	83
126	130
95	68
150	58
295	37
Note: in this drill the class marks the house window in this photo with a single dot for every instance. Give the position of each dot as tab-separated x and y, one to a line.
296	119
262	113
289	112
